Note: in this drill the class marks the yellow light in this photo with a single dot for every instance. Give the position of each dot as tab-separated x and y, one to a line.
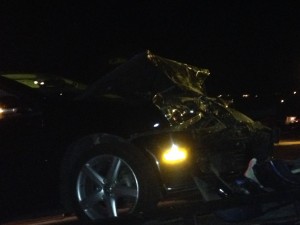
174	155
1	110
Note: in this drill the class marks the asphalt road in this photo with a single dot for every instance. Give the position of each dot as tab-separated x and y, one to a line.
284	215
184	213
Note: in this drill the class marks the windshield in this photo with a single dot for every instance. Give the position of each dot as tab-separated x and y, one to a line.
49	85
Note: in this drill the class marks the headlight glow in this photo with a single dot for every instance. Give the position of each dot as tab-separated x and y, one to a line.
174	155
7	110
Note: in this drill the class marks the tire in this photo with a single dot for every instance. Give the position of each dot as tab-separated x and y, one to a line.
111	182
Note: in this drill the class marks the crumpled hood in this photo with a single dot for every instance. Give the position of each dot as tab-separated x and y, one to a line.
146	74
190	78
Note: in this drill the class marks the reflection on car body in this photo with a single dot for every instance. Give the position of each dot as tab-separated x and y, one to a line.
138	134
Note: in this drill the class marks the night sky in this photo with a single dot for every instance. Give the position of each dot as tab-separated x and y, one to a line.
248	45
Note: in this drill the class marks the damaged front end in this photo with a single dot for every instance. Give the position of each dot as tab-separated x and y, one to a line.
204	144
224	140
232	154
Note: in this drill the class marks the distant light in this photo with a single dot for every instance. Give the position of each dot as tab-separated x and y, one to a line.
295	92
192	111
35	82
42	83
291	120
245	95
256	96
60	94
156	125
282	101
220	96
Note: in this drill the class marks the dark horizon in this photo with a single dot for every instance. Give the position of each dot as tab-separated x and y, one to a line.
249	46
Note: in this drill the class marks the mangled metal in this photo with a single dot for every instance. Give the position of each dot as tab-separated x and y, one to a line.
186	76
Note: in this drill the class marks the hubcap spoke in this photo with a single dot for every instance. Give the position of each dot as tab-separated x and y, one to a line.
114	170
125	191
91	200
93	175
111	206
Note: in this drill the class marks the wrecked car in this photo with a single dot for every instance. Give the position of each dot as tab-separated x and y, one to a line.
143	132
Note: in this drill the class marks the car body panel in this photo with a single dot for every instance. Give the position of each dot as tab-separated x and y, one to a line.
150	103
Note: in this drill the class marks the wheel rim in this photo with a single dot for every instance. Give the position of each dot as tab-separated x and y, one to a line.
107	187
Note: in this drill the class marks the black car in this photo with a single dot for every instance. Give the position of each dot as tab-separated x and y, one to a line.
139	134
